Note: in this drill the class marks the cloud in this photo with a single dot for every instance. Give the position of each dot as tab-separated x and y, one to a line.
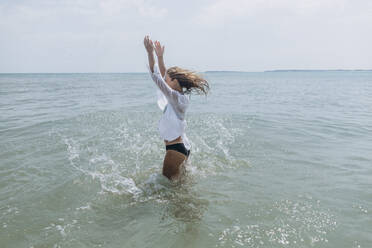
144	8
223	11
106	35
75	35
99	8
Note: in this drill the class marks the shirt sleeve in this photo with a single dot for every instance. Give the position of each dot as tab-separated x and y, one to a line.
162	100
173	96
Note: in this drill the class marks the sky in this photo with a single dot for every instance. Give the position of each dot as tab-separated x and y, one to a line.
238	35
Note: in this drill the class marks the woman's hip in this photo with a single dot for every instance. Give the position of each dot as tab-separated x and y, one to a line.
179	147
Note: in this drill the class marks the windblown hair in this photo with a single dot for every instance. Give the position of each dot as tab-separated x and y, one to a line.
189	81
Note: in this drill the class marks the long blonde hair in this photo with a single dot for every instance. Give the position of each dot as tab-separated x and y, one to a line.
189	80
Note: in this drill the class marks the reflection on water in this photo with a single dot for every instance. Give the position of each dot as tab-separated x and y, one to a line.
185	205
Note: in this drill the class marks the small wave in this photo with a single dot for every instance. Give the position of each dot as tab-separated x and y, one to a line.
300	223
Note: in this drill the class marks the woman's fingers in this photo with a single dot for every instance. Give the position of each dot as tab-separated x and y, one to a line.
159	49
157	43
148	44
158	46
146	40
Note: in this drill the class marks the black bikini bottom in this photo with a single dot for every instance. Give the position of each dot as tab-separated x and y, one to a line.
179	147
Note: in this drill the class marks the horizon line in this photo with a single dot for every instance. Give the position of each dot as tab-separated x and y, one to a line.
207	71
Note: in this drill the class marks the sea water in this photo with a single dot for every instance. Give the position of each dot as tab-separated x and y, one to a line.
278	159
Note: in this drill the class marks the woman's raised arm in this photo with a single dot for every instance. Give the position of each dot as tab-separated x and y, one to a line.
150	51
159	50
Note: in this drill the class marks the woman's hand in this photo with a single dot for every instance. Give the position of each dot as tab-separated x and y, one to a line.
148	44
159	50
150	49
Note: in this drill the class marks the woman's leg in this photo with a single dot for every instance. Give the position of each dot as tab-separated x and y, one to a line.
172	165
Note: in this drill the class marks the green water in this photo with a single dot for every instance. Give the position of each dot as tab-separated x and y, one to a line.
277	160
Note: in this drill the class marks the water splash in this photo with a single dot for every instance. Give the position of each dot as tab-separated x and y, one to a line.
118	156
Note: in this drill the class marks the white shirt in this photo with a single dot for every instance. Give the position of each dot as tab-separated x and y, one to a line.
173	104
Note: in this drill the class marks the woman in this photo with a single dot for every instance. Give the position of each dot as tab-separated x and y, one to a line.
175	84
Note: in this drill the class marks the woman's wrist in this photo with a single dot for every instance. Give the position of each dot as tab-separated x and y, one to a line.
160	59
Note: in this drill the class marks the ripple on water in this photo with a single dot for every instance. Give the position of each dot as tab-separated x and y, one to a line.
300	223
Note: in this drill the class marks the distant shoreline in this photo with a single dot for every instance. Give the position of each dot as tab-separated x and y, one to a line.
222	71
300	70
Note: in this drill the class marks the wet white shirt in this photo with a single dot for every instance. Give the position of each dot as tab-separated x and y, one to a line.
173	104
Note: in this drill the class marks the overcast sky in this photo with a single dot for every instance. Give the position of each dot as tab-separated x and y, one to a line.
243	35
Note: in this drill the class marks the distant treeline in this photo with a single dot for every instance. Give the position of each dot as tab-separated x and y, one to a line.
296	70
315	70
